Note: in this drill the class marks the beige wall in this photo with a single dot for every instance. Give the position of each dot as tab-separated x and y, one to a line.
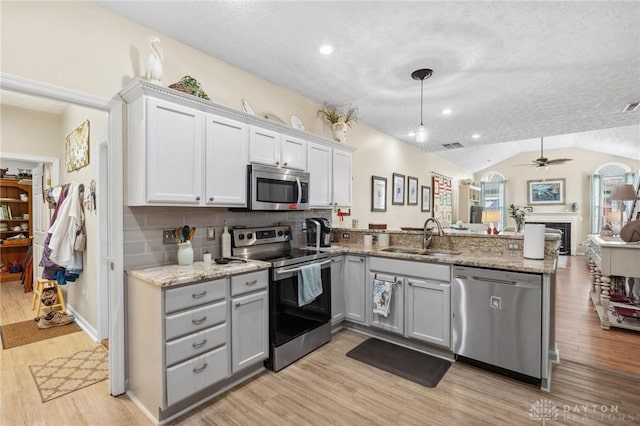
381	155
29	132
576	174
82	295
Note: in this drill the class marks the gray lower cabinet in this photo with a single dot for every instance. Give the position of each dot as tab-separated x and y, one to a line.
249	330
185	339
420	306
337	289
354	288
428	305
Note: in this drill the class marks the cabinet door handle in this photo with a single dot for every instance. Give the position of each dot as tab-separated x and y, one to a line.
199	321
362	259
410	283
238	304
199	345
285	163
277	162
210	198
197	198
199	295
250	283
200	369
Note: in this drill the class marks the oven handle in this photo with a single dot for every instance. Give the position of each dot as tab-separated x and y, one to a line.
282	271
299	190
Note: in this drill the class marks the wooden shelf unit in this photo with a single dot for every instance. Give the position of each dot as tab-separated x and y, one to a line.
469	195
10	251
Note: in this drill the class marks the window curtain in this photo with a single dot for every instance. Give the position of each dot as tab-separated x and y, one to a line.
596	203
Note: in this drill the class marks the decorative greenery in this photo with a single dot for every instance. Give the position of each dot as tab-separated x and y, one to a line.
518	214
194	85
332	114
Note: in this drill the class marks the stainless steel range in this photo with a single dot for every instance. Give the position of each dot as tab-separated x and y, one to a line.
294	330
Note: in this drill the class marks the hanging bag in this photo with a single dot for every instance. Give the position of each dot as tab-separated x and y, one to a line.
81	239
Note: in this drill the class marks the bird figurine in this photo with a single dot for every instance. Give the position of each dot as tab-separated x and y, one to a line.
155	62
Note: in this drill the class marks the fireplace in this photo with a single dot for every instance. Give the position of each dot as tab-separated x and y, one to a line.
565	241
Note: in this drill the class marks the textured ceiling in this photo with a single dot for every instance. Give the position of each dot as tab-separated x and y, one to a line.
511	71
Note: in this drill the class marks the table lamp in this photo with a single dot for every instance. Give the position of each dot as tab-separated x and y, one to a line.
623	192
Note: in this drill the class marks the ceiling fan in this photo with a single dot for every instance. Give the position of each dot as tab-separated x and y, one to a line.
543	161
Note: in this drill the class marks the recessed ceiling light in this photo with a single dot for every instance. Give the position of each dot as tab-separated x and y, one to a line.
326	49
447	111
475	136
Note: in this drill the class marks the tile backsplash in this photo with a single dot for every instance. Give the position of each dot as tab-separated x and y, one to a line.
143	230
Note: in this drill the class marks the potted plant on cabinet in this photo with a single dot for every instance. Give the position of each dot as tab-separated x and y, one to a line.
338	120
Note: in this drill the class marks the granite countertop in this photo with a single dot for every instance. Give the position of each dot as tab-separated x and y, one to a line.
169	275
483	260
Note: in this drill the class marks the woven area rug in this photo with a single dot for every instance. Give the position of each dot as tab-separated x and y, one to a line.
25	332
61	376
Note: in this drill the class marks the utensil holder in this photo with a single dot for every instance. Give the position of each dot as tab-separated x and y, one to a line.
185	253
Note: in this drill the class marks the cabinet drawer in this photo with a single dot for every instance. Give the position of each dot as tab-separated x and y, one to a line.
195	344
246	283
407	268
194	295
196	374
196	319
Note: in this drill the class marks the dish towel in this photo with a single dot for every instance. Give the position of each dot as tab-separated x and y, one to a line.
382	291
309	283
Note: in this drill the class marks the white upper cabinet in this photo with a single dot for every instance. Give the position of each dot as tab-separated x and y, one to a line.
273	149
226	157
294	153
331	171
186	152
264	146
175	139
319	167
342	163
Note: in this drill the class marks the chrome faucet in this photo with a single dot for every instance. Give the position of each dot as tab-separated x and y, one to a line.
427	235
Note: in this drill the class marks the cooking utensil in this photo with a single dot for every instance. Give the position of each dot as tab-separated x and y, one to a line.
177	234
192	233
185	232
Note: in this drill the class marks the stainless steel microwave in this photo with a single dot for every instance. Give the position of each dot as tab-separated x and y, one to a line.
274	188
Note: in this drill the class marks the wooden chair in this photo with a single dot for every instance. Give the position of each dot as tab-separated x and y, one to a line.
40	286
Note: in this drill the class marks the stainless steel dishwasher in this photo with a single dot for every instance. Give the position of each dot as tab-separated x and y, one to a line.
497	319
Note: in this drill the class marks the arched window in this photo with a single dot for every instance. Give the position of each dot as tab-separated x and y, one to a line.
605	178
492	199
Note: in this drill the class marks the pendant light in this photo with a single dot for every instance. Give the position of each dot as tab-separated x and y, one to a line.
421	132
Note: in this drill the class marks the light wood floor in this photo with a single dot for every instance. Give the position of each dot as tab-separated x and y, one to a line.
327	388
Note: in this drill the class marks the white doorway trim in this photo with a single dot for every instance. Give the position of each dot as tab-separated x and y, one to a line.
55	163
114	263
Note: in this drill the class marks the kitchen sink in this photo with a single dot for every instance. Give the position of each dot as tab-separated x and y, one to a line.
403	250
422	252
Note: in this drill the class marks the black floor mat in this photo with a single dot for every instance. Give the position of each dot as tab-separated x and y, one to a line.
412	365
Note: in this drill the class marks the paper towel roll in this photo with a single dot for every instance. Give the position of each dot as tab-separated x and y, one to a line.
383	240
533	241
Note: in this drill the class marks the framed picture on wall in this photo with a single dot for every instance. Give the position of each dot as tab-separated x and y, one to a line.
412	191
77	148
547	192
426	199
378	194
398	190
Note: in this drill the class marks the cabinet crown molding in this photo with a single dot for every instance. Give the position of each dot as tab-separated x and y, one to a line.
139	87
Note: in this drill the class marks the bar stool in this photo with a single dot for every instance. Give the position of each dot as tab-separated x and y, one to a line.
41	285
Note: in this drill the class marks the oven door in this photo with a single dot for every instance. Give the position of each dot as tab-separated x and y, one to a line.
287	319
278	189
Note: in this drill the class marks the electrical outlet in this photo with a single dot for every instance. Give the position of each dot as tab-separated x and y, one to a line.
346	235
513	245
211	233
168	237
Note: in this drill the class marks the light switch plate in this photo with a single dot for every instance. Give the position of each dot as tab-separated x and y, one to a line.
211	233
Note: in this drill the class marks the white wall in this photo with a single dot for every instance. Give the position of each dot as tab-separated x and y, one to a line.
29	132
